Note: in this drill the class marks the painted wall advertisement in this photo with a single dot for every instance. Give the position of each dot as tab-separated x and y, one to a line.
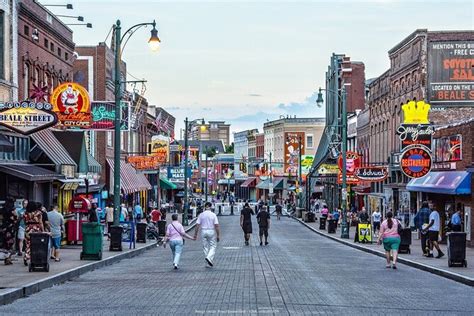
72	105
352	164
306	163
448	149
451	73
292	145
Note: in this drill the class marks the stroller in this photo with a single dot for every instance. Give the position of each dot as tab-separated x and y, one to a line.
152	232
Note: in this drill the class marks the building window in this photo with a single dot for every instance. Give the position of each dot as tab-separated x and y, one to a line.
309	141
66	56
51	47
26	30
59	52
26	74
46	43
109	139
2	45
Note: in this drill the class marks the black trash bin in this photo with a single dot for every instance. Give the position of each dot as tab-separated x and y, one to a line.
405	240
39	252
332	225
310	217
161	228
322	223
116	238
141	232
457	249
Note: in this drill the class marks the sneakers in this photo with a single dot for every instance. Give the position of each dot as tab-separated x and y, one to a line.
266	243
261	243
440	255
429	256
209	262
394	267
246	243
175	266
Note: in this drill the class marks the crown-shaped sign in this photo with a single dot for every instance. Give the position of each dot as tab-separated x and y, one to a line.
416	112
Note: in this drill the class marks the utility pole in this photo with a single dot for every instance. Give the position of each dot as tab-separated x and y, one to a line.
206	185
344	225
186	158
270	186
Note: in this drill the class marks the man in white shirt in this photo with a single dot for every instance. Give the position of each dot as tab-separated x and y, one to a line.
376	219
433	233
208	225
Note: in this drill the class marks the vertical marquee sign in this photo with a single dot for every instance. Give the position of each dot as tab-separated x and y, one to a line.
292	145
416	136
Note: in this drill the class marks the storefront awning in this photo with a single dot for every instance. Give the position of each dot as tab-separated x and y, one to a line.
277	184
30	172
52	148
130	180
167	185
226	181
249	183
5	145
92	164
445	182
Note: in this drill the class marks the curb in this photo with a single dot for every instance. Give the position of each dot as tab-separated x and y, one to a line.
440	272
68	275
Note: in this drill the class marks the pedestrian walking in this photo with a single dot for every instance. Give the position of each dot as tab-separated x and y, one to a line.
109	218
421	220
34	224
278	210
376	220
433	234
56	220
138	212
92	214
455	221
155	215
123	213
208	225
391	239
325	211
246	222
174	235
9	227
21	226
263	219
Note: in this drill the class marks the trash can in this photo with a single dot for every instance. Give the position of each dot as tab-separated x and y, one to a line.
457	249
405	240
310	217
161	228
322	223
116	238
39	255
332	224
91	241
141	232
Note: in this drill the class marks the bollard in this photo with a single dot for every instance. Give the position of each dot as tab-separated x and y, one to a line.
232	209
220	210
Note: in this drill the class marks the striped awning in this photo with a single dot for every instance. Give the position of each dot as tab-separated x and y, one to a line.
130	180
92	164
52	148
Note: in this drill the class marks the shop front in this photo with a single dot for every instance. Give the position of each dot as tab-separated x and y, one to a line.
448	191
248	191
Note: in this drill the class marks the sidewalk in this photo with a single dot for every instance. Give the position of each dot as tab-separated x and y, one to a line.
415	259
17	282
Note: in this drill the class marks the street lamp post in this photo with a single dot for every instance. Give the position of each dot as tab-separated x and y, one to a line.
184	220
154	42
319	102
207	181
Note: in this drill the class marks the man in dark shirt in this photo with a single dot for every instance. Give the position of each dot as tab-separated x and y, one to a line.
263	219
422	218
246	222
278	210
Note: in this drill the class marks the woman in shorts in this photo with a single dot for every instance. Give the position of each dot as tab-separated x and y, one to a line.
391	239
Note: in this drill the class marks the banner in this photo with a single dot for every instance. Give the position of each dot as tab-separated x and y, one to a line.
448	149
306	164
291	152
72	105
27	117
451	73
103	116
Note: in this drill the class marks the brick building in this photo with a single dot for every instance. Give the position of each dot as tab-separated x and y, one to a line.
8	51
213	130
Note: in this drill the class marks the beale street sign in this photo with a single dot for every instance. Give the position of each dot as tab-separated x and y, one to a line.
27	117
371	174
416	162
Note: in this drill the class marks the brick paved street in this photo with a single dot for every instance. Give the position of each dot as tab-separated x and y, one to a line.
298	273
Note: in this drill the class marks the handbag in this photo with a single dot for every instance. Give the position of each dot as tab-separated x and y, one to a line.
178	233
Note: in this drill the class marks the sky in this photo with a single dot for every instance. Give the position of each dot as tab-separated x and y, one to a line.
247	62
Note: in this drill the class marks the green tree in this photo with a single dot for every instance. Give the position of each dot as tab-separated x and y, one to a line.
229	149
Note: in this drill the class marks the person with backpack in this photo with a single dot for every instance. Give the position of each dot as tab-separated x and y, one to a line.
421	220
174	234
390	236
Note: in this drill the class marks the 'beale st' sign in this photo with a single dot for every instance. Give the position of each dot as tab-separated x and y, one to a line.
27	117
416	162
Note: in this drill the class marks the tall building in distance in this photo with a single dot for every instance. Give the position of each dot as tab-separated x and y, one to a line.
213	130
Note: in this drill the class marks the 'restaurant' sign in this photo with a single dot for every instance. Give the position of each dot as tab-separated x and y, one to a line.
27	117
72	105
371	174
416	162
451	73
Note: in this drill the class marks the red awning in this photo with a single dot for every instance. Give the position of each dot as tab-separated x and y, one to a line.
130	180
249	183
